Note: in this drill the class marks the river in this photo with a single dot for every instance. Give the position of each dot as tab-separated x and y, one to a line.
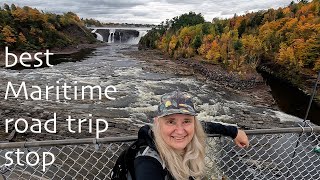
292	100
139	89
137	96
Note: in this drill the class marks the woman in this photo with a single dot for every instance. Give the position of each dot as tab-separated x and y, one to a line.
175	145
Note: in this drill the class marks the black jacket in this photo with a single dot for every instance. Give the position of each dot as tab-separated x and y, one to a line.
147	167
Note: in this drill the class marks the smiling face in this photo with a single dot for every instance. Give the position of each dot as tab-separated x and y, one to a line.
177	130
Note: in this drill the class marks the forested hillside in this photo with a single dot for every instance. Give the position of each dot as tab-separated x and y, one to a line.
27	28
288	37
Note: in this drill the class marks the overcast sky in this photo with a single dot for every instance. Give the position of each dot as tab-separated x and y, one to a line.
149	11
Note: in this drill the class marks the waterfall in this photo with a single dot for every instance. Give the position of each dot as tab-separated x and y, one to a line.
135	40
99	37
127	35
111	35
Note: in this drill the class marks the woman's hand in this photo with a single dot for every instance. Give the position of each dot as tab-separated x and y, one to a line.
241	139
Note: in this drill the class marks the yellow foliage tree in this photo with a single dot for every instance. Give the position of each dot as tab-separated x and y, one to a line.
206	44
163	43
226	47
287	11
172	45
214	52
22	38
189	52
35	14
286	55
253	48
20	15
185	36
317	65
300	51
8	35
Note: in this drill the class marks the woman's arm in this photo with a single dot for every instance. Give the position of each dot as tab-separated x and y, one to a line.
217	128
239	136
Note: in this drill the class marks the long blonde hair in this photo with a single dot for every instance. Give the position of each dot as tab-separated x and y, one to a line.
191	163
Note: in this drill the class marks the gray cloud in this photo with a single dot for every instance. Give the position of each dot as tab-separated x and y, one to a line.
182	2
149	11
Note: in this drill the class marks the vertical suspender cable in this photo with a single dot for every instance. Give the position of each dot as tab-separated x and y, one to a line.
312	96
305	120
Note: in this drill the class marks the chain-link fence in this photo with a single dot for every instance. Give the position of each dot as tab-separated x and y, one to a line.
287	153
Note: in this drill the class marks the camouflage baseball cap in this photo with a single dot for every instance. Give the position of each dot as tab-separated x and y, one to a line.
176	102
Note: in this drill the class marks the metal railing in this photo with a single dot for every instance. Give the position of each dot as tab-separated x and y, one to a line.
286	153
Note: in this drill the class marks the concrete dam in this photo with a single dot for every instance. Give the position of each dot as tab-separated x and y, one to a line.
119	34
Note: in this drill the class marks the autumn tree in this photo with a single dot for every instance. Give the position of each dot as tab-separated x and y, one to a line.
206	44
317	65
8	35
214	52
253	50
286	55
188	19
20	15
287	36
173	45
28	28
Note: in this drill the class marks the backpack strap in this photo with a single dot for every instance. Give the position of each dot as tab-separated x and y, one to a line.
125	162
148	151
